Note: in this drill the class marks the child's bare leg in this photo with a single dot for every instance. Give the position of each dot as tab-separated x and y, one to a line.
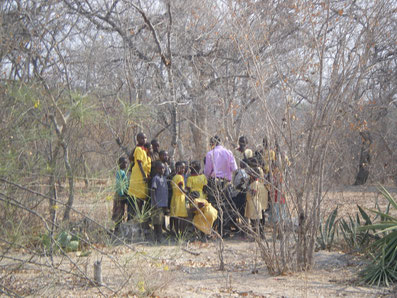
157	233
182	226
175	225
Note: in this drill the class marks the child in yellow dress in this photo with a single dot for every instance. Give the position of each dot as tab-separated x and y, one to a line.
139	178
178	200
138	190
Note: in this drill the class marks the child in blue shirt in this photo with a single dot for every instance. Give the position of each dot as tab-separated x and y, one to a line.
159	199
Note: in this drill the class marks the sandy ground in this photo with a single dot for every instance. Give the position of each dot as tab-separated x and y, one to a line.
188	269
171	271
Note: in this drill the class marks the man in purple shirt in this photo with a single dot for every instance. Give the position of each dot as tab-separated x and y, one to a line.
219	162
219	167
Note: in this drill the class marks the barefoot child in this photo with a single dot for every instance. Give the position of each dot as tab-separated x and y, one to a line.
159	199
120	198
178	207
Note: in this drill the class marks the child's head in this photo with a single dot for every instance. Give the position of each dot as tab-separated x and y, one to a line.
122	162
242	142
160	169
164	156
195	167
180	167
148	147
252	170
155	145
141	139
215	141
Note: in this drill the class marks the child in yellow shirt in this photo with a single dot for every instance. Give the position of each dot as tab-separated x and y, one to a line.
196	181
178	200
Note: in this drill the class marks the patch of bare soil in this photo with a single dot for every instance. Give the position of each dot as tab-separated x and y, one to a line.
173	271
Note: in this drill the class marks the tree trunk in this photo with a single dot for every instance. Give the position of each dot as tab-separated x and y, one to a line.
53	196
198	128
69	173
365	159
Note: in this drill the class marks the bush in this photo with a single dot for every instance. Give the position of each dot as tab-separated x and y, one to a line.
355	239
382	271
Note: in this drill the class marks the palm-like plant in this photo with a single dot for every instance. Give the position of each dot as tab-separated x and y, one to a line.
383	268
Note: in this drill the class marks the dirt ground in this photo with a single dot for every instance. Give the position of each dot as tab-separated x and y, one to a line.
189	269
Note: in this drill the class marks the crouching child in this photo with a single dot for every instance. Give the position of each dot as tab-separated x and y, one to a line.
204	215
159	200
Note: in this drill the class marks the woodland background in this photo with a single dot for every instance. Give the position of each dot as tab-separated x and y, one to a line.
79	79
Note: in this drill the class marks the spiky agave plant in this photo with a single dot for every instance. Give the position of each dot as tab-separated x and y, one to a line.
327	230
382	271
355	240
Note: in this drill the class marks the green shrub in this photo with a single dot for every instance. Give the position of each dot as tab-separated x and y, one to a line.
64	240
382	271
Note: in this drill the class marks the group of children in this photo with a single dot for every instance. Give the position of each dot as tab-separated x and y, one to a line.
181	192
170	192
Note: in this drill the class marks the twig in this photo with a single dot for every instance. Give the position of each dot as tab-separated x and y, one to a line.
191	252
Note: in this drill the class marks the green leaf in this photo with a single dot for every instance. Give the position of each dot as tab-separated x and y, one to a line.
364	215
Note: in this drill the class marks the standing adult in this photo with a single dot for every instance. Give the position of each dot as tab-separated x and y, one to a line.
219	167
219	162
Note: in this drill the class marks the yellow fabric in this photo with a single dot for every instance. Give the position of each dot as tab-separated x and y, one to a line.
148	166
138	187
197	183
204	217
257	199
178	207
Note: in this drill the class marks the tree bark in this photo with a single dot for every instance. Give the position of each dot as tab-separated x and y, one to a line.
365	159
69	172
